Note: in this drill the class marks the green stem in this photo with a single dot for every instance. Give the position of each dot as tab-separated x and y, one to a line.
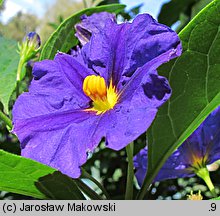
85	174
130	172
6	119
19	71
17	88
204	174
143	189
210	186
87	190
145	186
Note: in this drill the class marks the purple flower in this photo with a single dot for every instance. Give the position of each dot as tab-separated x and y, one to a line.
111	91
202	148
92	24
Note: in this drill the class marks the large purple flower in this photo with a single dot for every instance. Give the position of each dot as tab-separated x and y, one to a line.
199	150
111	91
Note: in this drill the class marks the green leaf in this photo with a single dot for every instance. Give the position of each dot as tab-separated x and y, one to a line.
195	81
24	176
8	66
63	39
199	6
18	174
170	12
60	187
217	198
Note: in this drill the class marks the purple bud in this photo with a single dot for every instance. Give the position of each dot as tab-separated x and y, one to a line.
33	39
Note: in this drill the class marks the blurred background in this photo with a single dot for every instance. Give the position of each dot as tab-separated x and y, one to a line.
18	17
21	16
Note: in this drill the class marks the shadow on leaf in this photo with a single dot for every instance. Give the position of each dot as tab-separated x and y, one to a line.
59	187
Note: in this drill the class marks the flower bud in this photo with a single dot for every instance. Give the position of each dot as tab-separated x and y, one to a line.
33	39
28	50
30	46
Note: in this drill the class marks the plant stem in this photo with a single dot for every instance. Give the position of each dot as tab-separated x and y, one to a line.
130	172
204	174
85	174
87	190
6	119
210	185
17	88
19	73
146	184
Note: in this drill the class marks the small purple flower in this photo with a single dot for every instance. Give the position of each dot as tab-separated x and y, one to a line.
110	90
202	148
91	24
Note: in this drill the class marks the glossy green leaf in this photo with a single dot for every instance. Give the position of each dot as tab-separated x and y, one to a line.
63	38
18	174
199	6
27	177
195	81
171	11
8	66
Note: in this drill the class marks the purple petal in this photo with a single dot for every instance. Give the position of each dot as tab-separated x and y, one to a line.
126	123
92	24
60	72
59	140
46	117
122	49
173	168
207	137
211	127
146	76
140	164
132	116
57	85
205	140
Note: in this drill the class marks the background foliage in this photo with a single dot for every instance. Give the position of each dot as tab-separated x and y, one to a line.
195	81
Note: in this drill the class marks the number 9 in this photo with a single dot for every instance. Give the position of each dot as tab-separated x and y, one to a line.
213	206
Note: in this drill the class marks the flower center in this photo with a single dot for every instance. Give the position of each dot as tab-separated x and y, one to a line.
198	162
104	98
